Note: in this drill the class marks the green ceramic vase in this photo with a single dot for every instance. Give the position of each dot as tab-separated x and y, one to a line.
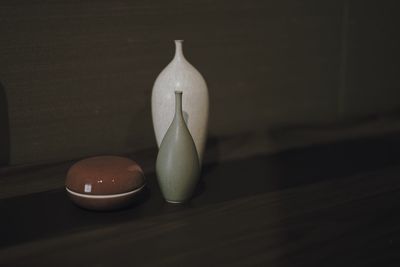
177	164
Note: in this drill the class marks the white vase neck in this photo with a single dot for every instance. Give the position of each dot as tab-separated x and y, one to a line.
179	50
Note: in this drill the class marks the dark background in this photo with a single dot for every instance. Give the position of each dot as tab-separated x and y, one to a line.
76	76
302	162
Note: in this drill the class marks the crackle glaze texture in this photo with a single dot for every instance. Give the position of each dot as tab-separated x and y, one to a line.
182	76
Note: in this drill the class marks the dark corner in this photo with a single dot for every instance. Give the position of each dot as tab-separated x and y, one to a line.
4	128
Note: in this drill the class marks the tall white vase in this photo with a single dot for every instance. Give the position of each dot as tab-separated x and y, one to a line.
182	76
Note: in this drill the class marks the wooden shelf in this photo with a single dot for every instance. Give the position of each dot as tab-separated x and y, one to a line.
327	205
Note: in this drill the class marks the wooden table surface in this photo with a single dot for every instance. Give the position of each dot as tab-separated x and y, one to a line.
328	205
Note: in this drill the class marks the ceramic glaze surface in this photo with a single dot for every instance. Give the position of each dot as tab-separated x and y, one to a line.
104	175
181	75
104	202
104	182
177	164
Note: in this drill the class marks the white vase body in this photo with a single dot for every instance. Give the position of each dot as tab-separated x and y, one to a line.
182	76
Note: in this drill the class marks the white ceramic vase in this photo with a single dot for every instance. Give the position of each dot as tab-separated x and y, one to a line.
182	76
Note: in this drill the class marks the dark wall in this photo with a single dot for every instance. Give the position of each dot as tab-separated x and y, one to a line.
373	57
78	74
4	129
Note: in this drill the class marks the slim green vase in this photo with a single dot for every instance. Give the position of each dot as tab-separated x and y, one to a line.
177	164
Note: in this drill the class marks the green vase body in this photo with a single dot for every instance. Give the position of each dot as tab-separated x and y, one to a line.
177	164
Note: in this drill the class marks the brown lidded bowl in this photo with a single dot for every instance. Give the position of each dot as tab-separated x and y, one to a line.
104	182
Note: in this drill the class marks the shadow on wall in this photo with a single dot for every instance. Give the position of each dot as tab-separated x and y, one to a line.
4	129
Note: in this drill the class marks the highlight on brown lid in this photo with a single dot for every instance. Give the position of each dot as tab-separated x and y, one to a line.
104	175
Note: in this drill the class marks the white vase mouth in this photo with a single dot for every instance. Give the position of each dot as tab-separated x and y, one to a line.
105	196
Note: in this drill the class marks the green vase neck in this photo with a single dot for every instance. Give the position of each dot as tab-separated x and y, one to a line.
178	105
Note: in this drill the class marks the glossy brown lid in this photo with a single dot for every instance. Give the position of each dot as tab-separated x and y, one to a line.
104	175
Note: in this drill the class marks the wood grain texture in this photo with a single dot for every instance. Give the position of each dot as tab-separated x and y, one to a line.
330	205
375	132
350	222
